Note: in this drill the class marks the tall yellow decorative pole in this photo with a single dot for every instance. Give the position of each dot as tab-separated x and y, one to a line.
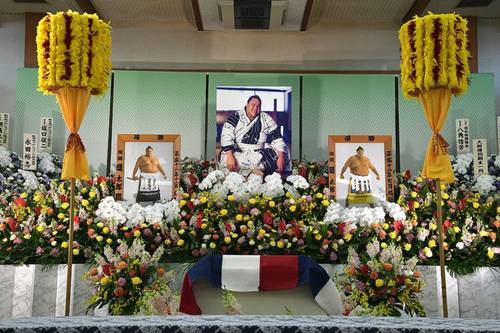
435	66
74	52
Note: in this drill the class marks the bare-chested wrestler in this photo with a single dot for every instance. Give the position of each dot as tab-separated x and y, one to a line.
150	168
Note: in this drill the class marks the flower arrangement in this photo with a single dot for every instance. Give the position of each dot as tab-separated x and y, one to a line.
434	54
127	278
471	225
33	224
382	283
73	50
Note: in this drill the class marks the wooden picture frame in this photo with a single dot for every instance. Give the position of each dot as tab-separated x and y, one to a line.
153	139
334	166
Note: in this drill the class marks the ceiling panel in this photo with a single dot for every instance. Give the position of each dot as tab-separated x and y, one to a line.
142	10
344	11
11	7
449	6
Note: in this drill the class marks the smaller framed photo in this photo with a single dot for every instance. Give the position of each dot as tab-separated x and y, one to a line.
360	169
147	167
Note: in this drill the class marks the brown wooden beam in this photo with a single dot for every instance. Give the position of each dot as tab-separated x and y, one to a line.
30	23
417	8
472	43
197	15
307	15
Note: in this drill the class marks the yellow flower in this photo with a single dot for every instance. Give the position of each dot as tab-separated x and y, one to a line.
427	252
64	245
27	236
83	190
24	195
185	195
76	252
104	280
137	233
484	233
182	203
262	232
231	197
234	235
203	226
204	199
64	205
85	202
318	236
490	253
383	245
419	179
414	194
100	224
252	201
105	230
393	234
385	226
53	243
325	203
432	243
92	194
251	242
348	237
168	241
445	196
182	231
37	197
212	245
391	283
99	238
443	187
239	217
335	246
60	216
223	212
109	241
227	239
281	244
456	229
39	228
407	247
433	226
293	208
136	280
476	205
272	243
498	210
319	195
407	281
271	204
180	242
379	283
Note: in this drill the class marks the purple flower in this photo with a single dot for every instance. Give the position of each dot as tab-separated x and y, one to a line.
410	237
254	212
39	251
54	252
147	233
360	285
121	282
300	242
333	256
422	255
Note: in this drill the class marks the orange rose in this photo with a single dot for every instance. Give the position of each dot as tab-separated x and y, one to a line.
417	274
119	292
90	221
243	228
388	266
351	271
122	265
161	271
382	234
374	275
497	224
2	227
90	232
493	236
92	271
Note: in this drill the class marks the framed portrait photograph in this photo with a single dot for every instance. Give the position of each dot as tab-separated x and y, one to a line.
147	167
360	169
254	129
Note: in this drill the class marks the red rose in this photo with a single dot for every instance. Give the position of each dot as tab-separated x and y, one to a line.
190	205
107	269
407	175
282	226
228	227
321	180
398	225
297	232
365	269
38	210
342	228
461	204
76	220
411	205
267	217
20	202
447	224
192	179
199	219
119	292
12	224
303	171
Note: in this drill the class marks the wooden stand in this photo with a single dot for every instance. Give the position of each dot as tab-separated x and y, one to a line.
69	271
444	296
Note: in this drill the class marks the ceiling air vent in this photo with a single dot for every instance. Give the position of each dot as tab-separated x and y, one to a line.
474	3
252	14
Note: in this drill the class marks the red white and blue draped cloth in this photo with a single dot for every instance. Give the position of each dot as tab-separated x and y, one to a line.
261	273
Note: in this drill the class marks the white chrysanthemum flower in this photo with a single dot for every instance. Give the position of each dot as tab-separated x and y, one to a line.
171	211
30	180
298	182
5	158
484	184
45	164
462	163
134	215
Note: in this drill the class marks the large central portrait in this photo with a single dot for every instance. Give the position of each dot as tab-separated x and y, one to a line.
254	129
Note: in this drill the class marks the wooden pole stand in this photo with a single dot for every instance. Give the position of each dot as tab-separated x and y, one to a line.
69	271
444	296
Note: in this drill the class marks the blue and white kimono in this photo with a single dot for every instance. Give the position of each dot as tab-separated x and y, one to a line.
255	143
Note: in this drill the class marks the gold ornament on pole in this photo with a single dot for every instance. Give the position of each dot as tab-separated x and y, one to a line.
74	62
435	66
